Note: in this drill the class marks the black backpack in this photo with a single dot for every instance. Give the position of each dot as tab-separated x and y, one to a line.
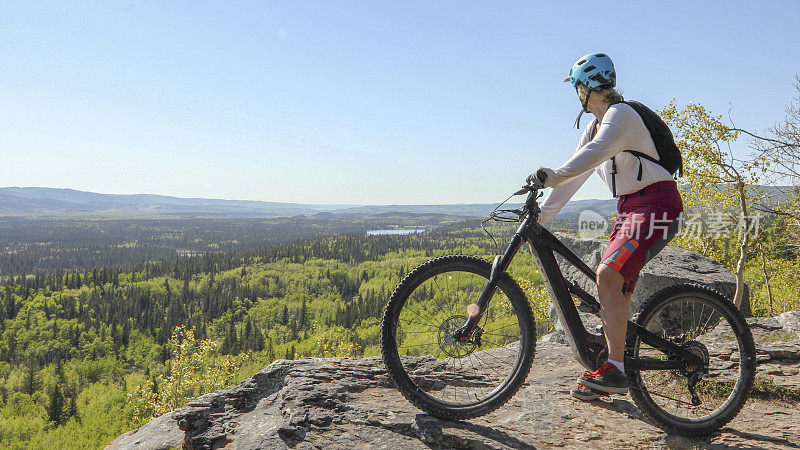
669	157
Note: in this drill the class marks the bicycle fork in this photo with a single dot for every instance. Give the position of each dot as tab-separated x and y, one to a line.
499	266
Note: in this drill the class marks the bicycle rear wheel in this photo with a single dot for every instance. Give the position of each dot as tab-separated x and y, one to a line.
438	374
702	399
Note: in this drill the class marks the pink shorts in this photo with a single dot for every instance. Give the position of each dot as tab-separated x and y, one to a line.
646	222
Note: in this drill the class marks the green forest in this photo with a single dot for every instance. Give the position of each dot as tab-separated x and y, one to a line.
86	355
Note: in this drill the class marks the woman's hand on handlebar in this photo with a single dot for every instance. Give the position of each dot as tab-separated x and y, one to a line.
544	177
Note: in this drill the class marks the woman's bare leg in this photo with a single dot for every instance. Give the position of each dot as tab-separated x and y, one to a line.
614	310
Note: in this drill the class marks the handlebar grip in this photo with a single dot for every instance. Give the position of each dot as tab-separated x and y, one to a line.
541	175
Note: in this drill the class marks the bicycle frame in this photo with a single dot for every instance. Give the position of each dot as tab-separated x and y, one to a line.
586	346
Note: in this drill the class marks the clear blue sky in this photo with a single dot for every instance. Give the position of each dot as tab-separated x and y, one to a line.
355	102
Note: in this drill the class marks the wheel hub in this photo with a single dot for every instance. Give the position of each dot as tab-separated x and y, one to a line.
457	348
701	352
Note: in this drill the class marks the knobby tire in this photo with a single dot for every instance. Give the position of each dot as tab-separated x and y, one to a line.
394	365
747	362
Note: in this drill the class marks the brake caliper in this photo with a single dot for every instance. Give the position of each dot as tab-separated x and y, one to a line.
476	336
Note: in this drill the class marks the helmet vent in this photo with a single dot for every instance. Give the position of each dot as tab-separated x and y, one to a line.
593	70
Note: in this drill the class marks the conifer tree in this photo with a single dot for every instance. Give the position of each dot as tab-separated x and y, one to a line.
31	381
55	407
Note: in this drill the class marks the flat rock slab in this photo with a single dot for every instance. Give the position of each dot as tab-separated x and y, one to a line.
348	403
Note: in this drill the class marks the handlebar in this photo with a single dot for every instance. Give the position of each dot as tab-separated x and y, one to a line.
533	191
531	206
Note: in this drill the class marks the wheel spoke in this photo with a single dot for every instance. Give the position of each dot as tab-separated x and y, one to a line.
469	371
683	318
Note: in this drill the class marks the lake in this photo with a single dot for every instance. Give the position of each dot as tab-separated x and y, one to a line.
396	231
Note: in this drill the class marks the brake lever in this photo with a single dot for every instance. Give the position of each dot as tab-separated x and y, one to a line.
529	188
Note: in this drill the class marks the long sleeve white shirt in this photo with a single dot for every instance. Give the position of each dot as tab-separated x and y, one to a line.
621	129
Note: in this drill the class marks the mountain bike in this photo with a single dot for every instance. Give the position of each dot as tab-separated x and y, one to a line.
458	336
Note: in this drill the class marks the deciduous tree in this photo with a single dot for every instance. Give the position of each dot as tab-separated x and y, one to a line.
718	182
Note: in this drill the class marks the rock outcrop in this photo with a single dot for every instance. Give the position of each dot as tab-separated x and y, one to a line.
346	403
670	266
790	321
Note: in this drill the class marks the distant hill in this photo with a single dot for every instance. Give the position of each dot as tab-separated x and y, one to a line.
51	202
69	203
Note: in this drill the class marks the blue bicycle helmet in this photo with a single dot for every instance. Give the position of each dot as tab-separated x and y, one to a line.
595	70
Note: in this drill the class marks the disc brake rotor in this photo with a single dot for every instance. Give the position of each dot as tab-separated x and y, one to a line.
453	347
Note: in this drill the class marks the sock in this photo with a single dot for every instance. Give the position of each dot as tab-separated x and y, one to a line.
617	364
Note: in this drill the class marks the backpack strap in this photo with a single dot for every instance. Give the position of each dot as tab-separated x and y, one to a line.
641	155
613	176
614	164
594	126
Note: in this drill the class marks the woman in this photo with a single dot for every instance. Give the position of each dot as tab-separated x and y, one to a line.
648	203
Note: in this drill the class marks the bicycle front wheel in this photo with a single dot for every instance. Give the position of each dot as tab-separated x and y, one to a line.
697	399
445	377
